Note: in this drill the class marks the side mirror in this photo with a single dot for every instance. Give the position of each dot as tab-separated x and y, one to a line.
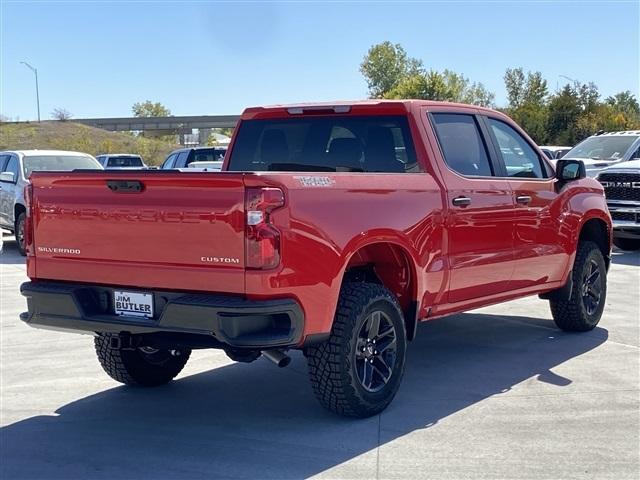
568	170
8	177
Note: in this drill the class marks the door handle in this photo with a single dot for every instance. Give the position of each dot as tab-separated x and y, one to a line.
523	199
461	201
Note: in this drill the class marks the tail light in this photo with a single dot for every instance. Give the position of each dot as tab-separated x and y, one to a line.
262	239
28	222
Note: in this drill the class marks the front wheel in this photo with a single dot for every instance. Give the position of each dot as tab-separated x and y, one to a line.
630	244
582	311
145	366
19	233
358	370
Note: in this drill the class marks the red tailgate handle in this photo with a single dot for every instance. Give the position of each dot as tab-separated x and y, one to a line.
125	186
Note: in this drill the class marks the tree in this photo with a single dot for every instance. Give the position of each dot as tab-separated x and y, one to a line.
522	90
515	85
150	109
446	86
626	103
61	114
385	65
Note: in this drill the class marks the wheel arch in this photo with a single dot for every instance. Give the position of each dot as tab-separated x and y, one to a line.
391	263
597	230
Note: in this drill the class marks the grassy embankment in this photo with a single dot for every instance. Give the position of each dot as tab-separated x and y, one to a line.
56	135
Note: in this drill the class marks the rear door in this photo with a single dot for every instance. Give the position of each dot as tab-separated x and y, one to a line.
177	231
480	206
538	253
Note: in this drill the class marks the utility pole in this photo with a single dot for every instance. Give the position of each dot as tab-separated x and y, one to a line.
35	72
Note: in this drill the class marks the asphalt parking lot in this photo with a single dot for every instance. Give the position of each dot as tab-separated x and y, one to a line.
494	393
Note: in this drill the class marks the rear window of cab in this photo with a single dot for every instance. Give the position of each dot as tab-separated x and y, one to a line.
325	144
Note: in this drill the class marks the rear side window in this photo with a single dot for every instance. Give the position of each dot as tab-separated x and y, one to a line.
334	143
461	143
520	159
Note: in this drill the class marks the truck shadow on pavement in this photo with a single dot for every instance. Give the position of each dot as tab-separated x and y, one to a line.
257	421
9	254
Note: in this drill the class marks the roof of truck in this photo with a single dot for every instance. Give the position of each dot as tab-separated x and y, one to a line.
371	103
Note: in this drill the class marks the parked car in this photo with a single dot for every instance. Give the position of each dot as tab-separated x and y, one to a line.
334	229
621	184
605	149
15	169
554	152
121	161
183	157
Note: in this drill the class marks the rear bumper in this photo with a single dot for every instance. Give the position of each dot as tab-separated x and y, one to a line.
231	320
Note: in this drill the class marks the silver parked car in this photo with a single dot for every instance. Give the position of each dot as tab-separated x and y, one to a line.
16	168
605	149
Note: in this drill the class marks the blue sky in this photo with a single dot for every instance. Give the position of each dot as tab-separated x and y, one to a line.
96	58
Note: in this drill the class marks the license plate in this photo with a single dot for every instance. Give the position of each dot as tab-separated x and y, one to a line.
133	304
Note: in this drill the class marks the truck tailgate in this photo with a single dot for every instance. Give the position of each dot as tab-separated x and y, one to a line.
169	230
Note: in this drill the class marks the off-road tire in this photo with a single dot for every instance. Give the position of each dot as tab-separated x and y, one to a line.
19	227
134	367
332	364
571	315
629	244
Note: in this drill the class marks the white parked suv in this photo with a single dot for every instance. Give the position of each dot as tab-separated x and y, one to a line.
15	169
604	149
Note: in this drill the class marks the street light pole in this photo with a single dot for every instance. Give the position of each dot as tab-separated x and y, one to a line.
35	72
568	78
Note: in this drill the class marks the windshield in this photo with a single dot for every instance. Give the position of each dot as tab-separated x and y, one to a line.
58	162
334	143
125	162
602	148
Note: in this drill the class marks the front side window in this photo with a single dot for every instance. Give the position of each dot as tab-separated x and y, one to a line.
181	160
3	161
168	163
520	159
461	144
12	166
332	143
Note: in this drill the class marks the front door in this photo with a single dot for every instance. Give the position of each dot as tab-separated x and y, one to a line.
538	252
6	196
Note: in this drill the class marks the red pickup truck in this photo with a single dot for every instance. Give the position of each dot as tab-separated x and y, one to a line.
333	229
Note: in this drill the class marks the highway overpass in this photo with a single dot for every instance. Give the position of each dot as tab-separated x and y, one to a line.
174	124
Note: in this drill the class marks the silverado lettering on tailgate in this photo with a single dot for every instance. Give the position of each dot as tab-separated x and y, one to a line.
129	214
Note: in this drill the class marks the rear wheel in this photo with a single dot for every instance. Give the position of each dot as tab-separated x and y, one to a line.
358	370
630	244
19	233
582	311
144	366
